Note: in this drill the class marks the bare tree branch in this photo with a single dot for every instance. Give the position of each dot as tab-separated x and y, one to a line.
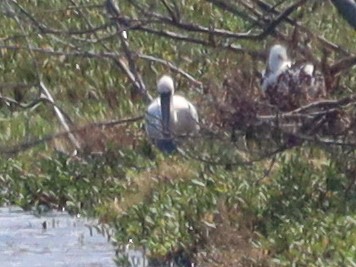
10	151
132	72
171	66
43	88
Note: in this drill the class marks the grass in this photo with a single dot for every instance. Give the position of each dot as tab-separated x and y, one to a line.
205	204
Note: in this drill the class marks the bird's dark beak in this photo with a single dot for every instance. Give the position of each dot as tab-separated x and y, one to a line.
165	111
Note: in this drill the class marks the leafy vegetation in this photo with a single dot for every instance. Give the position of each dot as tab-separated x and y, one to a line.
228	197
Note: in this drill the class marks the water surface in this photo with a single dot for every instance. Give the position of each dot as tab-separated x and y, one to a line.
66	241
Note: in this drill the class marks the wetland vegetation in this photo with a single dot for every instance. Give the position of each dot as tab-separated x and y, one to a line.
239	194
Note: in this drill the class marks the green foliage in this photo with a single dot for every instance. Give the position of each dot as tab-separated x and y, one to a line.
59	181
308	219
302	211
171	218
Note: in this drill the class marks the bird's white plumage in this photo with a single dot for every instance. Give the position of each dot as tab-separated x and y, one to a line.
184	118
277	63
290	85
308	69
278	59
165	85
124	34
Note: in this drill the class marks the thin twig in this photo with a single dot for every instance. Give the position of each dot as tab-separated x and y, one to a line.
30	144
134	76
41	85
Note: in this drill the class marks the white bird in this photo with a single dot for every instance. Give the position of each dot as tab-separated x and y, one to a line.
169	117
277	63
124	34
287	85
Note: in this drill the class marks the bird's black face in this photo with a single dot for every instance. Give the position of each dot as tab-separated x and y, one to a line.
165	112
280	57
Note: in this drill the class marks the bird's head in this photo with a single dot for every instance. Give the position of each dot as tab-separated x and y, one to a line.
278	58
165	85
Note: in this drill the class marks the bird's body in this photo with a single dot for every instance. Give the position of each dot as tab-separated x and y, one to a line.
278	62
287	85
170	117
184	118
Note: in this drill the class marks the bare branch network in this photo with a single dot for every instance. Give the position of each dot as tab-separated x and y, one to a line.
325	122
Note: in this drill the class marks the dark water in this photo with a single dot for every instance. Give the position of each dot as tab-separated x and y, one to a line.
66	241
